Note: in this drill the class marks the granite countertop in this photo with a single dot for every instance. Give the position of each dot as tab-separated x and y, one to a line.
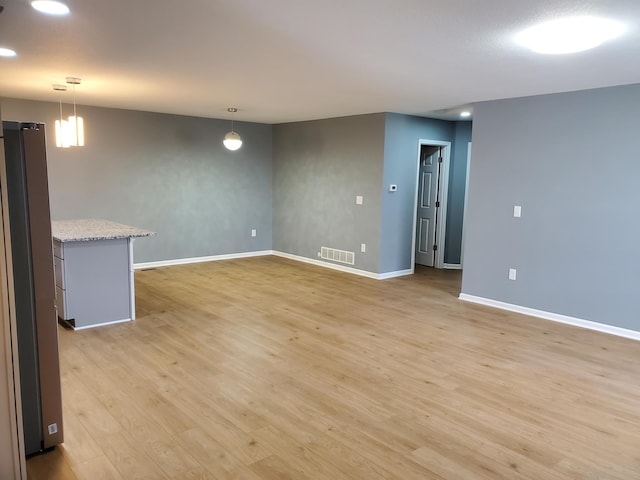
86	230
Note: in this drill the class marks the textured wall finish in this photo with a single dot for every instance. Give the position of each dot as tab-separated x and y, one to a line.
165	173
319	169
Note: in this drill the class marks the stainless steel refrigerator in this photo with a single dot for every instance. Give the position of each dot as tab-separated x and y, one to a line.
34	284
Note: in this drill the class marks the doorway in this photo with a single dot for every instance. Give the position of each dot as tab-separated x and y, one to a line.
431	203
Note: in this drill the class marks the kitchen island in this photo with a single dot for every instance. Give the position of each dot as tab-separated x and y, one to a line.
93	262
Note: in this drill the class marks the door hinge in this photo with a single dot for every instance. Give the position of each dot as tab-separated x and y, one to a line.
437	204
435	247
439	159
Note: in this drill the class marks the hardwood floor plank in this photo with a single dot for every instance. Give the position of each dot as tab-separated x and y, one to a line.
265	368
130	459
52	465
99	468
274	468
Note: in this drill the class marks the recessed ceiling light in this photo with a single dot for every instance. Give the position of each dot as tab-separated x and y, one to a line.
569	35
465	114
50	7
7	52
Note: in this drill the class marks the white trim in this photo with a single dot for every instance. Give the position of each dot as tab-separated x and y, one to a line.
212	258
415	208
444	200
554	317
452	266
312	261
332	266
341	268
132	283
396	274
86	327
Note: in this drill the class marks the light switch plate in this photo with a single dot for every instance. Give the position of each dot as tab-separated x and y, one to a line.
359	199
517	211
512	274
253	232
363	247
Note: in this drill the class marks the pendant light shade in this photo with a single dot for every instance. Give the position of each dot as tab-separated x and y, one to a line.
76	123
69	132
232	141
62	134
62	125
76	131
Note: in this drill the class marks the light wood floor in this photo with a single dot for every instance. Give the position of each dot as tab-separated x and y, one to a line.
265	368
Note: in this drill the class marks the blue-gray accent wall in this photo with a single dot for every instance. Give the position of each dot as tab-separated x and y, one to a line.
401	150
167	173
571	161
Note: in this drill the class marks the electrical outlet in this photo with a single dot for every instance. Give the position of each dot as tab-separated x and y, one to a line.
253	232
363	247
512	274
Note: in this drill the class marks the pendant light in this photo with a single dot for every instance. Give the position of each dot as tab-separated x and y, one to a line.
76	123
232	141
62	126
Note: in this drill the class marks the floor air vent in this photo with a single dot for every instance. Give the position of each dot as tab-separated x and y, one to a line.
336	255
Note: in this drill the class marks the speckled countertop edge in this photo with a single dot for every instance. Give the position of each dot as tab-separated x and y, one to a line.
86	230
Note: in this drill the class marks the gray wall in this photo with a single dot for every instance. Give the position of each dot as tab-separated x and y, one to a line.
167	173
571	161
402	135
319	168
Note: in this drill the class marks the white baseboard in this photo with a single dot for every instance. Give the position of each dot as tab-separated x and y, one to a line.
452	266
86	327
212	258
397	273
332	266
554	317
341	268
231	256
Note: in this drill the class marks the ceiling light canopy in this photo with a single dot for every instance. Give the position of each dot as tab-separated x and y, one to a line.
50	7
232	141
569	35
7	52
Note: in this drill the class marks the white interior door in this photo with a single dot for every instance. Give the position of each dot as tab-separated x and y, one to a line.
427	208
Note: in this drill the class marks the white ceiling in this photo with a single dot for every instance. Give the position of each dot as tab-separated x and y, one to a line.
290	60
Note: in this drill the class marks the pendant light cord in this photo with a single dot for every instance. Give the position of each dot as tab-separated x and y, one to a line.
74	104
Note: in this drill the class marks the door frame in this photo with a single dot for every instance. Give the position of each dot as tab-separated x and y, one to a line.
441	226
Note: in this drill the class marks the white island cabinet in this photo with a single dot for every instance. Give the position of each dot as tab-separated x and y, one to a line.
93	262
